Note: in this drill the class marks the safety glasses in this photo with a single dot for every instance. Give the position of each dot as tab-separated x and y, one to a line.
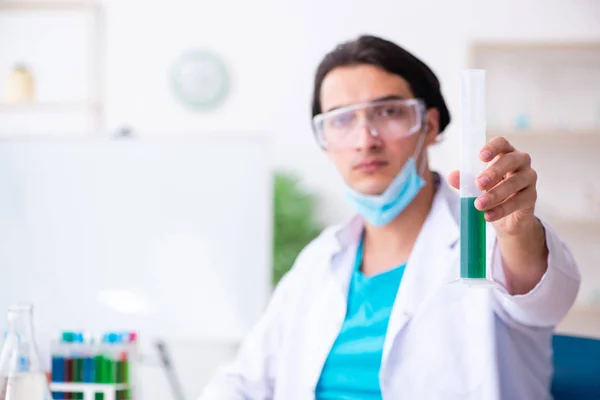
386	119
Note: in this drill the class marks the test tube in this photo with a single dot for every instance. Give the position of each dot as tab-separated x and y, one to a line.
472	222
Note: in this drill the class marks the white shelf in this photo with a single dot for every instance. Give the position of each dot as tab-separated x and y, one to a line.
574	223
524	80
46	4
96	28
50	106
533	46
537	134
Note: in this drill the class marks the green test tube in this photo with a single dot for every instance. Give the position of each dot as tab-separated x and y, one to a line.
100	369
99	372
473	239
109	365
472	221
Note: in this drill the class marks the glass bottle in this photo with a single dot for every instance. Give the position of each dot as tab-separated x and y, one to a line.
20	86
22	375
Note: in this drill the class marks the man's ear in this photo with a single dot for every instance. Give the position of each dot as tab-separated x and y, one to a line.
432	126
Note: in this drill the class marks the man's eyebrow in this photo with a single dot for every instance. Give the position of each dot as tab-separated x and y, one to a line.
383	98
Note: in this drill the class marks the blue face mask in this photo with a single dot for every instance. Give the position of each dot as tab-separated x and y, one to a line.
381	209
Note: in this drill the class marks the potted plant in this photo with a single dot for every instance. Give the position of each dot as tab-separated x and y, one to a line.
295	222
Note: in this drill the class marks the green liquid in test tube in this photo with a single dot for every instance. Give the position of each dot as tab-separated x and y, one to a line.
472	222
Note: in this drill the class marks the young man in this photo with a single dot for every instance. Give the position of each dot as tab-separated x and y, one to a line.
367	311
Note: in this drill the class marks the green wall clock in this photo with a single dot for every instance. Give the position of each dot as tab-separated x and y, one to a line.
200	79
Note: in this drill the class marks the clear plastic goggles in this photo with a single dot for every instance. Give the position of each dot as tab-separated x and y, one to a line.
385	119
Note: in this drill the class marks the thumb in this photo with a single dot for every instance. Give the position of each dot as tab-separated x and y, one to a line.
454	179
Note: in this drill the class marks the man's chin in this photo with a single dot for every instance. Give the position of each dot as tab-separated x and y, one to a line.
372	186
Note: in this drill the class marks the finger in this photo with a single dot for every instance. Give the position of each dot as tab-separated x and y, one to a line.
494	147
520	201
505	164
454	179
508	187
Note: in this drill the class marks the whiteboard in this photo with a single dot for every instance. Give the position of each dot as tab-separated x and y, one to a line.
168	237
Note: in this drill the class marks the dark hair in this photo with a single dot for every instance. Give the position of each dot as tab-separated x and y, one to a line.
390	57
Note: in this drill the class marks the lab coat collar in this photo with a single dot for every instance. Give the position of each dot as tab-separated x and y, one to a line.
349	234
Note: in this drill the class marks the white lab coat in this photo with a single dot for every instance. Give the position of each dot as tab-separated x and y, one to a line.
444	341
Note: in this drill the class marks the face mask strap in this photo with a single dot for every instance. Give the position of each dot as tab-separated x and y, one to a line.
418	151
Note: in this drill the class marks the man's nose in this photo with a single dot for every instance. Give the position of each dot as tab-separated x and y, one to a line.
368	137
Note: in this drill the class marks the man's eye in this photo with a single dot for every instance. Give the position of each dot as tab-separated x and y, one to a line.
341	120
391	111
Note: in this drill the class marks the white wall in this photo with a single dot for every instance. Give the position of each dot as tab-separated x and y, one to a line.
273	47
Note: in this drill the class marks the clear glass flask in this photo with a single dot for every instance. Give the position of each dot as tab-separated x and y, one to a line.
22	375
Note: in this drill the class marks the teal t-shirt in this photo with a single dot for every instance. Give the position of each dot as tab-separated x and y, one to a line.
351	370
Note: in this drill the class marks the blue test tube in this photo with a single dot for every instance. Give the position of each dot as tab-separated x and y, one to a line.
89	367
59	366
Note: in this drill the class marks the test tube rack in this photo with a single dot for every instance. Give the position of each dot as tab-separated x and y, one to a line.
98	365
89	390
